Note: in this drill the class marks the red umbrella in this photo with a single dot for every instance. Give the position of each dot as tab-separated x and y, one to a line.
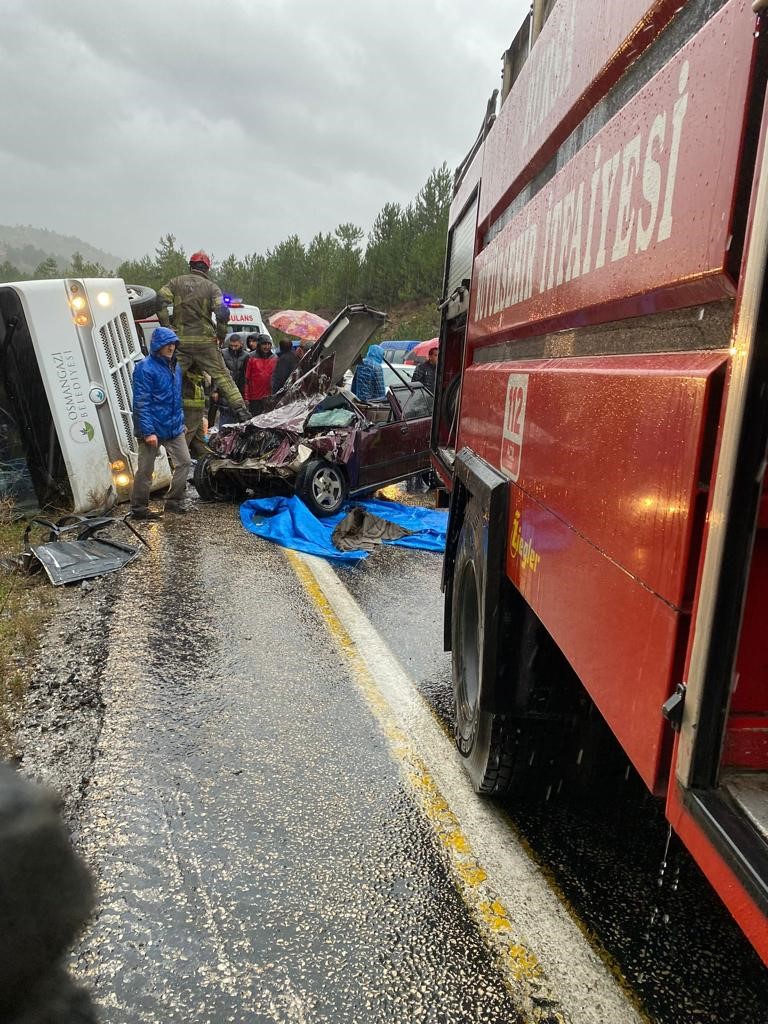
299	323
420	352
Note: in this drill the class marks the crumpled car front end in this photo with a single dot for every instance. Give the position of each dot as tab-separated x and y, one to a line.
313	417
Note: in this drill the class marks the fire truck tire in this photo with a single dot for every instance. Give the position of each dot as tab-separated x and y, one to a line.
215	487
486	741
449	400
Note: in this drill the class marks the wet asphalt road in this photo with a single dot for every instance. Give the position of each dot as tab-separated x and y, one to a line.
258	856
676	946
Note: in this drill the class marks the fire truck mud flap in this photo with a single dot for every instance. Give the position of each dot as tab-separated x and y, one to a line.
478	484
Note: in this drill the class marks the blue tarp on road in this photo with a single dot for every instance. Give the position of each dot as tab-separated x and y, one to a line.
288	522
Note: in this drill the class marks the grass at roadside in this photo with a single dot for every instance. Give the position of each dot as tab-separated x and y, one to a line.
25	603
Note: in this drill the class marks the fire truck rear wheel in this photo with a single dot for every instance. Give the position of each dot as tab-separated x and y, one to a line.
486	741
449	400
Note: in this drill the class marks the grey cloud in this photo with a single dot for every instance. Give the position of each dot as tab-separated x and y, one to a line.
235	124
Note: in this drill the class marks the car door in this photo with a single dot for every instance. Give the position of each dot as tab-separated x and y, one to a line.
396	449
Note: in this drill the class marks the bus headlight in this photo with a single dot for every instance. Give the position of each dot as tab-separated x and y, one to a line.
122	479
104	299
117	465
77	302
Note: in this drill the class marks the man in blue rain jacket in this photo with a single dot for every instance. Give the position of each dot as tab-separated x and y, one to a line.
158	419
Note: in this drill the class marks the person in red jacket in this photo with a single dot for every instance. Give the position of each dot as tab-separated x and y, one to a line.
258	374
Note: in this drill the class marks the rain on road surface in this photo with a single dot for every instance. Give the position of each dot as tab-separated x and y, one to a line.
261	857
679	950
258	856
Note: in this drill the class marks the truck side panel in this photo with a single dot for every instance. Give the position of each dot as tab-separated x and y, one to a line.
583	48
604	514
635	214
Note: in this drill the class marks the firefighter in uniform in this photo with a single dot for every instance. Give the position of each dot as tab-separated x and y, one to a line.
195	300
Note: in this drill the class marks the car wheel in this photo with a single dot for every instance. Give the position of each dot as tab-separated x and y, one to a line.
143	300
322	486
215	486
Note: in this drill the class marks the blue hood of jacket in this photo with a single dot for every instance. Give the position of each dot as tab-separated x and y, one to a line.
162	336
375	354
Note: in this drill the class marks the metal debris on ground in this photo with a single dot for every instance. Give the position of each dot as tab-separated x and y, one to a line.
72	551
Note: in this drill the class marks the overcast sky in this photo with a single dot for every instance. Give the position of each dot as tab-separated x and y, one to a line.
234	123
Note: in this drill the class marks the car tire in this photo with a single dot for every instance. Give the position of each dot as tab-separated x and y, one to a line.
215	486
143	300
323	487
517	748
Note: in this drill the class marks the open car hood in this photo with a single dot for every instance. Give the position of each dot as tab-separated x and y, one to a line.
344	338
271	437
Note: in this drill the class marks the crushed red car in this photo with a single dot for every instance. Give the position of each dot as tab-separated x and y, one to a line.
316	439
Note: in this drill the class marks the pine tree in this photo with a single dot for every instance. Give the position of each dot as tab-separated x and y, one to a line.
47	270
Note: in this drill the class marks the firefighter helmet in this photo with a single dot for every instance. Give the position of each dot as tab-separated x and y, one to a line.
201	257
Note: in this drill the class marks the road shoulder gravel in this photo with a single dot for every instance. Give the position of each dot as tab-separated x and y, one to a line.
61	716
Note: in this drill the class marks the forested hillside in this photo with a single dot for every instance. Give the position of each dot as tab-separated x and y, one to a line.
25	250
398	266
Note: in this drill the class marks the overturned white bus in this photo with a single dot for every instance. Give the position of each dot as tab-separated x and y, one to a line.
67	352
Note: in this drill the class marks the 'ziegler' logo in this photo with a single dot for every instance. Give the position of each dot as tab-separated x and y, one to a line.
522	547
514	424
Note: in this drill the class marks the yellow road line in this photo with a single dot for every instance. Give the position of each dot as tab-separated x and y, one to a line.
519	966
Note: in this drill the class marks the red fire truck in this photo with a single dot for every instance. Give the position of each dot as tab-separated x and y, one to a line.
601	420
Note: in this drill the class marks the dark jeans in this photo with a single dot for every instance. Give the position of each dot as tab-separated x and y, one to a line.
178	453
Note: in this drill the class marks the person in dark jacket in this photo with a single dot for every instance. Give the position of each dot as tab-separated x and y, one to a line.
287	362
425	373
235	358
158	418
258	374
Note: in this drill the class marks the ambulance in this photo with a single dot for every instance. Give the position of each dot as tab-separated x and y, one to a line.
243	319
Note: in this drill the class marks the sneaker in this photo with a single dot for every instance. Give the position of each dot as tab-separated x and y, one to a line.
145	513
179	507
